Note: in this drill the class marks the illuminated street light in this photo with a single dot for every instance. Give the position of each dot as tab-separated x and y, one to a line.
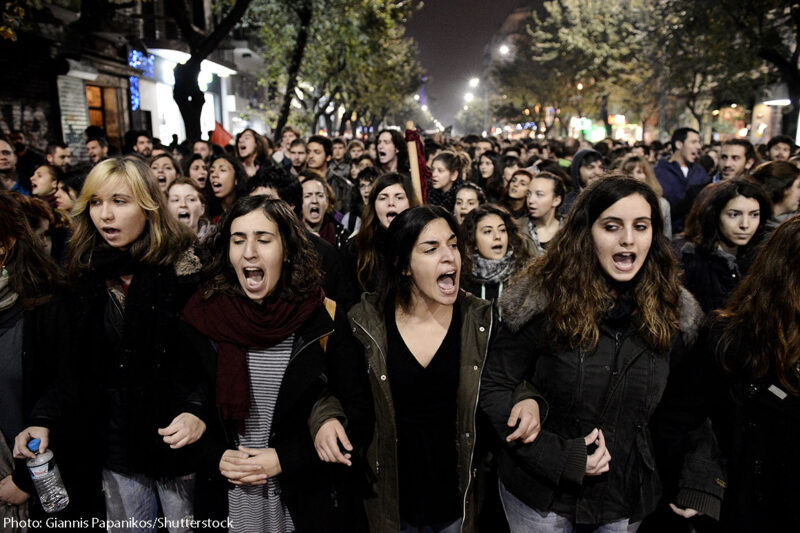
424	107
504	49
469	97
416	97
474	82
580	86
466	107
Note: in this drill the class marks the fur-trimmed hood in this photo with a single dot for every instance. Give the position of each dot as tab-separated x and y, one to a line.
187	263
522	300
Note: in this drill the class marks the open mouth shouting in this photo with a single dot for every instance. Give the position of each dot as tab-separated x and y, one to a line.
624	261
110	233
447	283
253	278
184	216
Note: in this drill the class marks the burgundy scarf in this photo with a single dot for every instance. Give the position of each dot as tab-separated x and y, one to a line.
237	324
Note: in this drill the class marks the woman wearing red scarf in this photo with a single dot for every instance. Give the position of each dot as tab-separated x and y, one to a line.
264	310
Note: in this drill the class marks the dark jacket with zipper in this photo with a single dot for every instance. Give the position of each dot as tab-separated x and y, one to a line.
319	496
126	373
368	326
616	388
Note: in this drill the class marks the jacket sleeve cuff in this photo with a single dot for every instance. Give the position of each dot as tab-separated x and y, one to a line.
21	478
700	501
525	391
575	465
327	407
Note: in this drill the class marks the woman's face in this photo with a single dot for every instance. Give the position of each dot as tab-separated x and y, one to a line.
739	220
491	237
65	197
622	236
541	198
42	182
223	178
184	203
441	177
116	215
372	151
518	187
364	188
315	203
389	203
198	172
435	264
638	173
165	172
246	145
354	172
256	254
42	234
486	167
791	199
508	172
386	149
466	201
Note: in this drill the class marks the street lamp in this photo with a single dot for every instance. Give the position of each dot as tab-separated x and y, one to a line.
469	97
504	50
474	82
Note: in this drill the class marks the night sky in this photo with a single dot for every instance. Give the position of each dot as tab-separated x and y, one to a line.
451	35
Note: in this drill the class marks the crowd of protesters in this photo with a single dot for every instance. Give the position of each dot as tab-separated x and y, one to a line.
545	335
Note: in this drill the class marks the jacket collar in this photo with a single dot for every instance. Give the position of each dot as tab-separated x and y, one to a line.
522	301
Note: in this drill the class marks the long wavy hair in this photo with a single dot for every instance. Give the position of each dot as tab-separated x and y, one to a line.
301	274
579	293
163	238
367	259
32	273
469	230
761	336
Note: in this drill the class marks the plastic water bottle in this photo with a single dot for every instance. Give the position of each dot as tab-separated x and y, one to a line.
47	479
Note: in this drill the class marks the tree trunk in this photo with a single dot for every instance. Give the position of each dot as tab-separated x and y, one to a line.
304	11
789	121
189	97
604	114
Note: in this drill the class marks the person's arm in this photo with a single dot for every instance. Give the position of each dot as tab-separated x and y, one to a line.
510	359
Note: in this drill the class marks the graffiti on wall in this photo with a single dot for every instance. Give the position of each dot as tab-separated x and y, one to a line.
30	118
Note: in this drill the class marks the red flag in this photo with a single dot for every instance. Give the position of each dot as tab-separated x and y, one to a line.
220	136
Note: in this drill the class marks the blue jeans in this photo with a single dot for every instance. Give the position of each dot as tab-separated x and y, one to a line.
522	518
453	527
132	498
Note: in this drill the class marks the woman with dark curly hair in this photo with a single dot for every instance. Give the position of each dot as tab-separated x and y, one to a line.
593	325
252	151
264	309
725	224
494	250
227	181
489	175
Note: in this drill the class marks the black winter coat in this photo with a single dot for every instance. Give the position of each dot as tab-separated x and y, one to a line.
121	379
711	278
757	425
615	388
319	496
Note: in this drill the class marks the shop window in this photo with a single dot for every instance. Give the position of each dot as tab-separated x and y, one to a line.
94	97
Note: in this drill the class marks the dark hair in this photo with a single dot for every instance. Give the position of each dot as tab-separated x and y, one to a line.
590	158
469	230
326	143
239	189
367	259
761	335
33	274
704	230
175	165
781	139
680	135
749	149
99	140
74	177
298	141
559	187
309	176
262	147
301	275
403	234
776	177
495	185
53	145
187	161
579	294
399	143
339	140
473	187
454	162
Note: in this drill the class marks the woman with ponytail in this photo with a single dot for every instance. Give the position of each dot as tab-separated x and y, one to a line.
448	171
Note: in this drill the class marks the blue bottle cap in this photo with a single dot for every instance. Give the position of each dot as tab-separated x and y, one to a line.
33	445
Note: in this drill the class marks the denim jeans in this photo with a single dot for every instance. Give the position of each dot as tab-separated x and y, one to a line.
131	500
522	518
453	527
